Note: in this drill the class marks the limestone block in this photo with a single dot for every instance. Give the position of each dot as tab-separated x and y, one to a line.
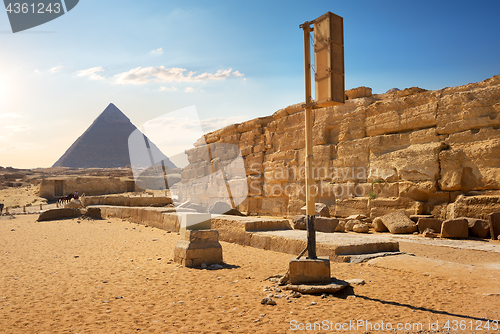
93	213
308	271
55	214
473	206
386	189
479	228
471	166
415	218
418	162
471	108
321	210
399	223
378	225
455	228
382	206
420	191
325	224
274	205
358	92
299	222
401	114
494	220
198	247
431	223
350	206
193	221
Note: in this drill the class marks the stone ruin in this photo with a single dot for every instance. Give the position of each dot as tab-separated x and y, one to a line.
424	152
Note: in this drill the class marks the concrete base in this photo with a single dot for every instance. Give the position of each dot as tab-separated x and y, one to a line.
197	247
308	271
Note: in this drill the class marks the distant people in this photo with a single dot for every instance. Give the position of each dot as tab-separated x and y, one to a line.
76	195
1	208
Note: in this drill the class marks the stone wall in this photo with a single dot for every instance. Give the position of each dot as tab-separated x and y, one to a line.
53	188
412	149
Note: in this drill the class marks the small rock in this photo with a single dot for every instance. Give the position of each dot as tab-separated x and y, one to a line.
361	228
204	265
257	320
429	233
155	239
267	301
356	281
313	303
119	297
295	294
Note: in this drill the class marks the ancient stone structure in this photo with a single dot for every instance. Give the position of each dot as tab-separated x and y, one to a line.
55	187
425	152
197	248
105	143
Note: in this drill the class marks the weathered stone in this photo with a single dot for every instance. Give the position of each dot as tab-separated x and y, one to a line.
356	217
473	206
349	225
198	247
334	287
361	228
429	233
320	209
299	222
429	223
63	213
398	223
325	224
415	218
341	226
494	220
378	225
455	228
478	227
93	213
309	271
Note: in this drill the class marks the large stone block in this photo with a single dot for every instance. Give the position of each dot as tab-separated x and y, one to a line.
63	213
455	228
321	210
479	228
432	223
194	221
198	247
308	271
399	223
494	220
325	224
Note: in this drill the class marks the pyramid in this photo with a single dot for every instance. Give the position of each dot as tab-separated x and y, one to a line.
105	143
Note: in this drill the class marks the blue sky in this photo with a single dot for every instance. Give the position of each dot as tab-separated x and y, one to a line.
233	60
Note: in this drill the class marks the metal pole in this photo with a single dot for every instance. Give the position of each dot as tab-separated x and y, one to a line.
310	207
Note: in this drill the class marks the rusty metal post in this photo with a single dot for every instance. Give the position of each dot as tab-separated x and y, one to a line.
310	207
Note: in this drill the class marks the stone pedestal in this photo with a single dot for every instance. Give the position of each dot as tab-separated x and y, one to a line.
307	271
194	221
197	247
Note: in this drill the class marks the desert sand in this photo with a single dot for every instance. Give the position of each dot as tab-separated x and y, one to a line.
112	276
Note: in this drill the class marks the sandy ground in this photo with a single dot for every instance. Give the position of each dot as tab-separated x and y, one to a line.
112	276
18	197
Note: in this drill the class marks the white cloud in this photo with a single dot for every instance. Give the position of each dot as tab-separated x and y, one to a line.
157	51
55	69
188	90
164	89
37	71
10	115
18	128
215	123
143	75
91	73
